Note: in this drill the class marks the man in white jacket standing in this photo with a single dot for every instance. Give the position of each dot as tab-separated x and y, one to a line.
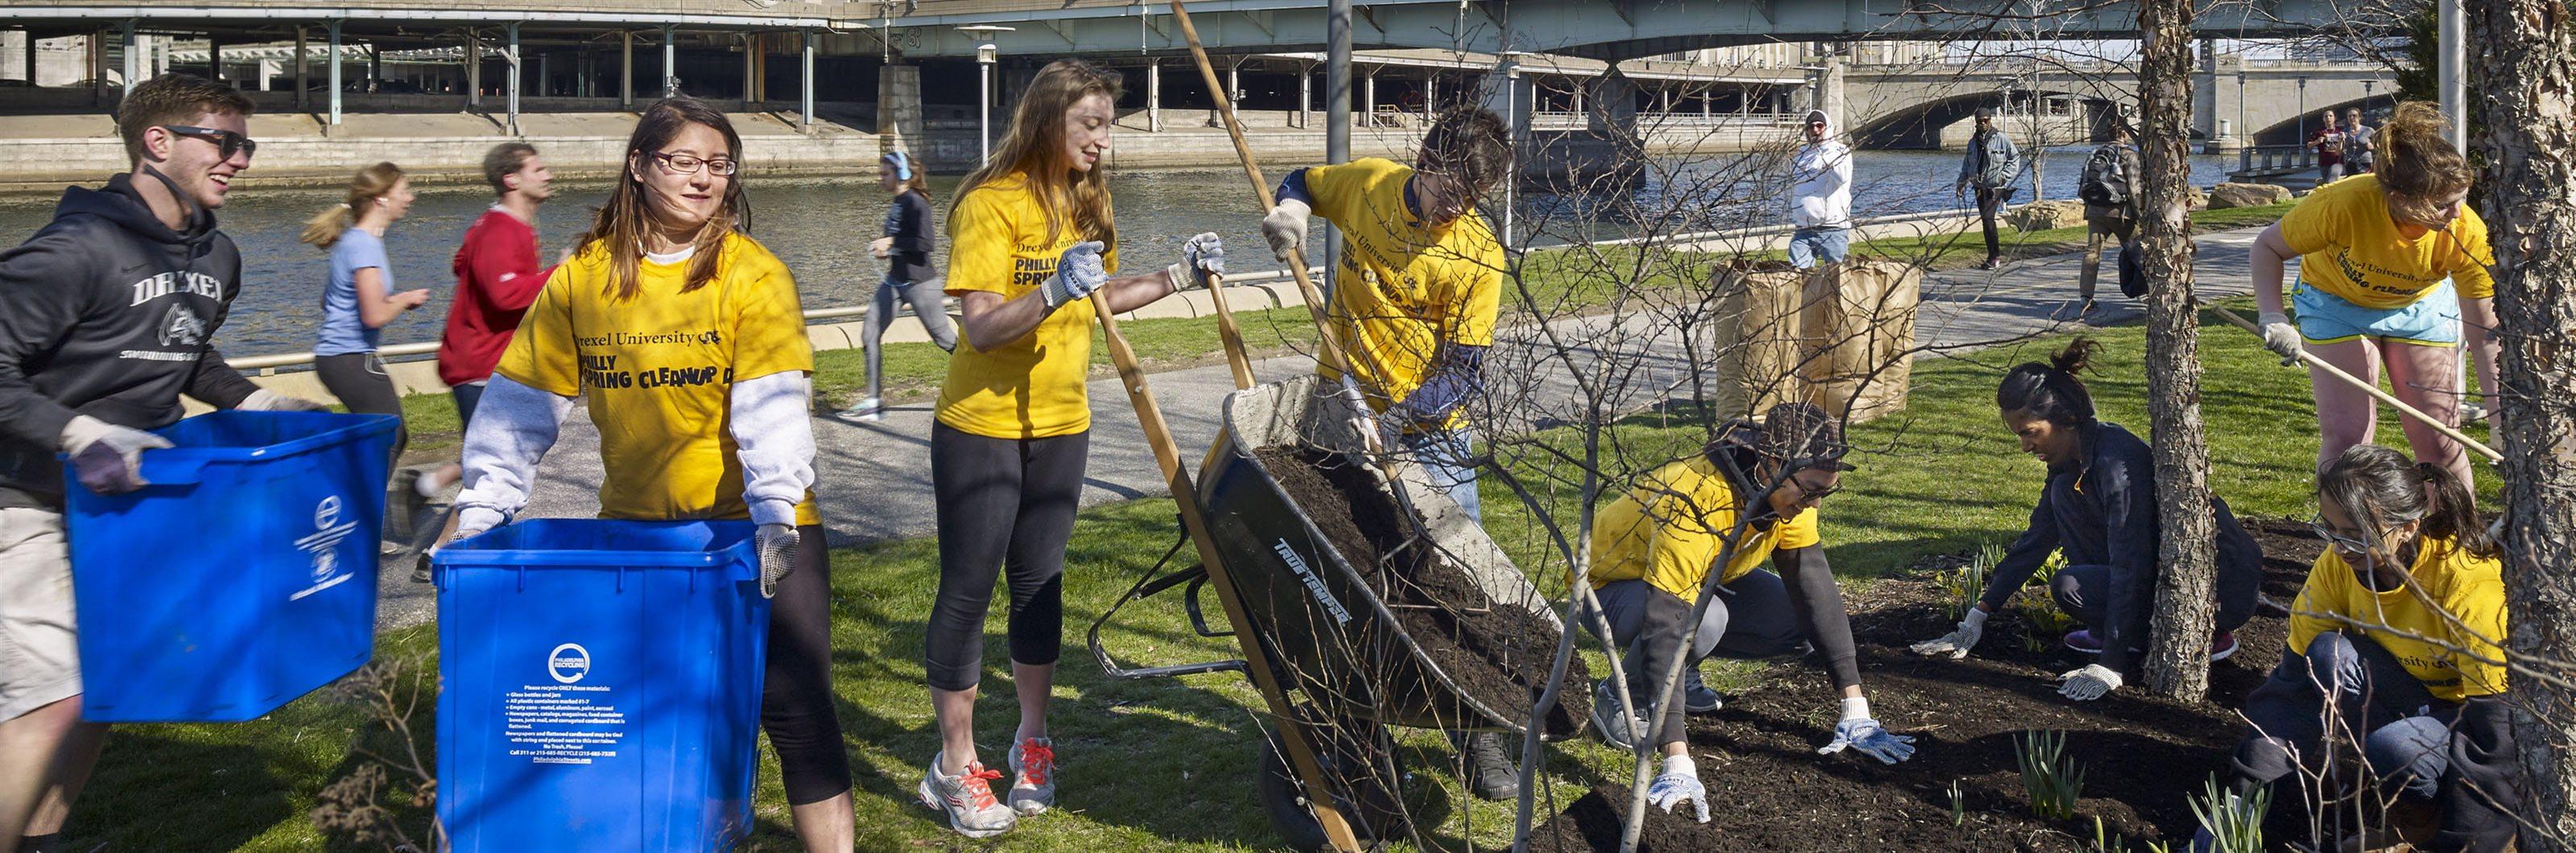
1820	196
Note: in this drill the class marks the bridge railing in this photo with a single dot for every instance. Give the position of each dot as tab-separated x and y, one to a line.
2275	158
1647	119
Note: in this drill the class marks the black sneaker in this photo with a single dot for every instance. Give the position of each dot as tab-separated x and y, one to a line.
420	568
405	507
1491	772
1697	696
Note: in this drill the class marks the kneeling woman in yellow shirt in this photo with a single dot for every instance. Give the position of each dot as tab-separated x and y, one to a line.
2394	638
1655	550
685	337
2392	270
1030	240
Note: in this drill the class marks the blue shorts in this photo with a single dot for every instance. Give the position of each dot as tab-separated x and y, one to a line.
2432	320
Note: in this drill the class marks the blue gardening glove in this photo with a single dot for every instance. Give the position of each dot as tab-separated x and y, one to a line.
1201	257
105	457
777	546
1862	733
1679	784
1078	272
2092	682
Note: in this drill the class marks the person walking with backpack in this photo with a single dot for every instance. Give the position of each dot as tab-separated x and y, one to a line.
1820	198
1991	165
2110	205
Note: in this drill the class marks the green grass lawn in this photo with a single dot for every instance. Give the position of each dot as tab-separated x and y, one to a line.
1168	764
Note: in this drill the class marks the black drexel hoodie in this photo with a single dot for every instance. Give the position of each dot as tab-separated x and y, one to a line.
107	312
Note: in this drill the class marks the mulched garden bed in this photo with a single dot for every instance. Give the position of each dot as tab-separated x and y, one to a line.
1498	654
2142	756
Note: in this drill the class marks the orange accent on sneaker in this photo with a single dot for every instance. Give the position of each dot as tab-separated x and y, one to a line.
1036	760
978	784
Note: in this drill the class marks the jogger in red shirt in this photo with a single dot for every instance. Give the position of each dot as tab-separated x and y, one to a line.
497	276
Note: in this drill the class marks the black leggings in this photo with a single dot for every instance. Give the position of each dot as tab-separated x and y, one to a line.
359	380
796	701
1004	504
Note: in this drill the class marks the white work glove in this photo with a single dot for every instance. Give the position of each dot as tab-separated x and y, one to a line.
1862	733
264	400
1201	256
1285	227
1957	643
105	457
2279	335
777	546
1078	272
2092	682
1679	784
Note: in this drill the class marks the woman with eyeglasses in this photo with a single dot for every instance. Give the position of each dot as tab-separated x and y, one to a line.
2392	272
686	339
2098	507
1031	239
359	299
2394	648
1748	495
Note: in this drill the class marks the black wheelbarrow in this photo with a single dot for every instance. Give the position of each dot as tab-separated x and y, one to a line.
1331	632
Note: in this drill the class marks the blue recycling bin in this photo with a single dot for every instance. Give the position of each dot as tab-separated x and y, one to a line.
243	577
600	685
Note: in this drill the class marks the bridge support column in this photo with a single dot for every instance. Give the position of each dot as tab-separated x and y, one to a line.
670	62
334	27
1829	87
1154	96
135	48
1368	94
214	60
1233	90
473	70
1305	96
805	78
750	69
626	70
1430	96
899	112
303	68
515	72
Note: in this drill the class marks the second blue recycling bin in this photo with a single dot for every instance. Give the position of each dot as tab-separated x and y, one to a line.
242	577
600	685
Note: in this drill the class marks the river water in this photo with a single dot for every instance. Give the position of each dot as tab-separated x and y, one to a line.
820	228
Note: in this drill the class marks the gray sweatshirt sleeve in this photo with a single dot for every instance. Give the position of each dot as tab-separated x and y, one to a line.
774	438
513	427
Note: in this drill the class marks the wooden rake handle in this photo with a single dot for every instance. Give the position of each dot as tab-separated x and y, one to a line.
2372	389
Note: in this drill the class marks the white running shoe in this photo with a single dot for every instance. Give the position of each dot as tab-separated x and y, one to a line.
967	798
869	409
1033	776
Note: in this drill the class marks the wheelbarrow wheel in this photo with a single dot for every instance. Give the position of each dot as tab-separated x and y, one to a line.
1355	760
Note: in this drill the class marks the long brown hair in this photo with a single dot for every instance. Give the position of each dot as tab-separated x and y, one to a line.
1034	146
2379	488
620	225
2421	171
323	230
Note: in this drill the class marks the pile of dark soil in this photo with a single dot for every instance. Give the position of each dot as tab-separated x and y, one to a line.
1497	653
2142	756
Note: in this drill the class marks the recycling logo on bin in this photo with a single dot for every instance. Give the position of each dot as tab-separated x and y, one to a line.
323	546
568	663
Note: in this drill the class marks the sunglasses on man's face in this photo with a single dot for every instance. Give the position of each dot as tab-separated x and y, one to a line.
226	141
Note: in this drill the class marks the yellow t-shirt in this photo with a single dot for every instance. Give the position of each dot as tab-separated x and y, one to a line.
1403	287
1033	387
2463	584
657	372
1670	528
2349	247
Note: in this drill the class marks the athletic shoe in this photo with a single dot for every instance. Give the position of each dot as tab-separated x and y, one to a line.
1607	714
1490	770
2221	644
967	798
1032	776
2472	413
406	507
1697	697
1991	263
870	409
420	568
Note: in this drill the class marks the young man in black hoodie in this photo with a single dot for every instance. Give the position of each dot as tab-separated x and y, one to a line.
105	320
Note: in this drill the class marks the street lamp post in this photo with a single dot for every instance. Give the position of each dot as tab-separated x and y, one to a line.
1512	127
2303	112
986	53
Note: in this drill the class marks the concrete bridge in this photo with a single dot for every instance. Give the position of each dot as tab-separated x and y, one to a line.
2236	101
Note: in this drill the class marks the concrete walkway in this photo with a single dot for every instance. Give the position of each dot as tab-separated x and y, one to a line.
874	478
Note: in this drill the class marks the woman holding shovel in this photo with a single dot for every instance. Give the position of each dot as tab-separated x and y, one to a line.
2099	507
1755	488
2392	271
1031	240
686	338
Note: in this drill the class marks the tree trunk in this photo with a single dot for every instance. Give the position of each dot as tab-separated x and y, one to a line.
2527	65
2177	661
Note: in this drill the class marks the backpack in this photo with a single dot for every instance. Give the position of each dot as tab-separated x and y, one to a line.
2106	179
